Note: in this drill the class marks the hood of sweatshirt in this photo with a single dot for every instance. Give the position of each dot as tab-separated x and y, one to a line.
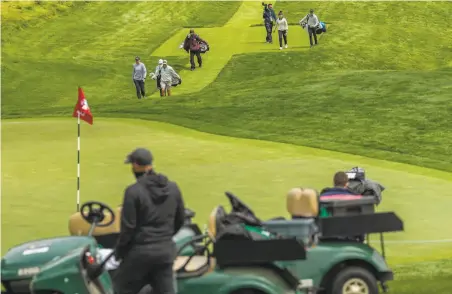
157	185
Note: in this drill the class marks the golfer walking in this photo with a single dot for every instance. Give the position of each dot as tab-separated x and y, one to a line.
283	27
138	76
269	16
192	45
312	22
167	76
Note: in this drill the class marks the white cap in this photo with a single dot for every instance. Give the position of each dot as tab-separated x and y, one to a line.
165	62
160	61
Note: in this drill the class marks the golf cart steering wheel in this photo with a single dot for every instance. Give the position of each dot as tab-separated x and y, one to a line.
93	214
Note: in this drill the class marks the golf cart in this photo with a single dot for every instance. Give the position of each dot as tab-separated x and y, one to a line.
95	219
260	266
337	262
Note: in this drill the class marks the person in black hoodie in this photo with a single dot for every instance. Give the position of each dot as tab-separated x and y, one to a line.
152	213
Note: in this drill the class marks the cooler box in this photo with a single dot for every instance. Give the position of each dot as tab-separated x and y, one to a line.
346	205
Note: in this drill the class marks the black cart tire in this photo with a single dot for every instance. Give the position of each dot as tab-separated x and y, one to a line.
353	280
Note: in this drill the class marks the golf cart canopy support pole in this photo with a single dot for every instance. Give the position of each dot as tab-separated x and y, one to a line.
382	244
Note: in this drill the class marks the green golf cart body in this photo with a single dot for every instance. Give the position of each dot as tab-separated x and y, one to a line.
79	271
22	262
335	249
66	265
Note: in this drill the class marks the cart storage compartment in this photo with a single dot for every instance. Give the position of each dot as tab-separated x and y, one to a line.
299	228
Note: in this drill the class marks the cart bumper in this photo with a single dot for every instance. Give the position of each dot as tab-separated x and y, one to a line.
384	277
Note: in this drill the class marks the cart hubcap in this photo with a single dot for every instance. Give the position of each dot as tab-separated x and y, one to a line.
355	286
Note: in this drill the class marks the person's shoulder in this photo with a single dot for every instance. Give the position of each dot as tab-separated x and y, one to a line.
132	189
325	190
173	185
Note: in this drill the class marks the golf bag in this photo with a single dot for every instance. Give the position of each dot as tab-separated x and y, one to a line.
203	47
176	82
360	185
321	28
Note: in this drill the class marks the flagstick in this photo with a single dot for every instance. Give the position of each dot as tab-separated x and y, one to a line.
78	163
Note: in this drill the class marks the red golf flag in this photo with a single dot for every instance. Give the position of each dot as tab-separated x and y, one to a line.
82	108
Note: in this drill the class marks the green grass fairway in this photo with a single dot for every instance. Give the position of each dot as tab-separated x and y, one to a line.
237	36
39	177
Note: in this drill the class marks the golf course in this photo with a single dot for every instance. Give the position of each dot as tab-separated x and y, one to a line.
254	120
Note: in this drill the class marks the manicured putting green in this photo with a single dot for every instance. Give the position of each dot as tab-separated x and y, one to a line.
39	177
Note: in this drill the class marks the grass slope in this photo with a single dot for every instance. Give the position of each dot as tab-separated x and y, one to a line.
205	166
370	88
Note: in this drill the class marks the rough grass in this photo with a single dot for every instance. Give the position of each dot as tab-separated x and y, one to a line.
30	12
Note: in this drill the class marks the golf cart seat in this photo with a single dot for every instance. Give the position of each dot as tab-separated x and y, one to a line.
197	265
105	236
302	203
214	224
303	206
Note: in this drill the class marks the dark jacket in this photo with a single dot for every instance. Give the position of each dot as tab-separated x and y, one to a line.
269	15
152	212
192	42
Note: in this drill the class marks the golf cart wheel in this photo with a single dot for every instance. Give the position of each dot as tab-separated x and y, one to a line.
354	280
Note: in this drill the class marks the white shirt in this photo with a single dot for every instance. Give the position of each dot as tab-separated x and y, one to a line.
282	24
167	74
313	20
156	73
